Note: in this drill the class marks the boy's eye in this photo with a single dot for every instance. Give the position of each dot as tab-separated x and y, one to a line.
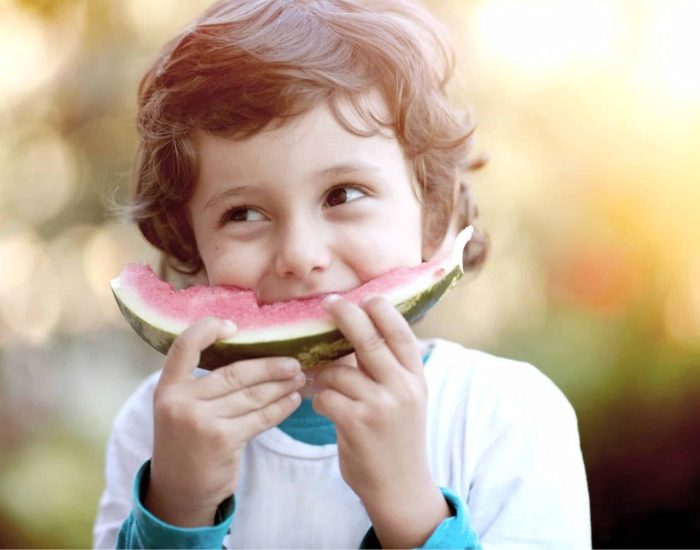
341	195
243	214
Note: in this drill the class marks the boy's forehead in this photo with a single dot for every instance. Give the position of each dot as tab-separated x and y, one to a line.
312	147
290	162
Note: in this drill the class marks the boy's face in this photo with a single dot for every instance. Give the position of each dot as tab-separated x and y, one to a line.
305	209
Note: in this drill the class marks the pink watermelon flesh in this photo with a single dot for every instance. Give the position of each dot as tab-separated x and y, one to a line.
190	304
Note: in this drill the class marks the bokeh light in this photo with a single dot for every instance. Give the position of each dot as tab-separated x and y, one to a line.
682	311
45	167
24	58
34	50
30	297
149	22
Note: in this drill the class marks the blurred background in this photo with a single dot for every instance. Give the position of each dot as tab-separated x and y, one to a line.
589	111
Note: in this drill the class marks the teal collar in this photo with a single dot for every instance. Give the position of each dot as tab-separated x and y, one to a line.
308	427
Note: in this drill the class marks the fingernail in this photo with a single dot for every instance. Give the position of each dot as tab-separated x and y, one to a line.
330	299
229	326
300	378
295	397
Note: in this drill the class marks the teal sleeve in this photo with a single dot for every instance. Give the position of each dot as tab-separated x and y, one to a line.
453	532
144	530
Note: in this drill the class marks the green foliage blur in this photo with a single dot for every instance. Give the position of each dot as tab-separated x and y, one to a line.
588	113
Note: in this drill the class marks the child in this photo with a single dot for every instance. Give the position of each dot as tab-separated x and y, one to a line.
304	148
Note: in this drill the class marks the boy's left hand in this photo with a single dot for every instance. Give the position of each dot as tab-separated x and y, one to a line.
380	411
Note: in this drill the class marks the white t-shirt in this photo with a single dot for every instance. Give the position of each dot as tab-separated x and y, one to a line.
500	434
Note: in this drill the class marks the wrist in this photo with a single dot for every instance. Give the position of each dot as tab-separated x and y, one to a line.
176	510
406	517
172	513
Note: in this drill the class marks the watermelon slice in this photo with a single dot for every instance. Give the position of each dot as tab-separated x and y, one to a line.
299	328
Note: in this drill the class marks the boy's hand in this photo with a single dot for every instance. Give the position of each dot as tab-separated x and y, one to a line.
380	412
203	424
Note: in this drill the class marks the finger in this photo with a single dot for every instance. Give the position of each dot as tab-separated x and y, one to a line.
242	374
359	329
255	422
184	353
396	332
346	380
334	405
254	397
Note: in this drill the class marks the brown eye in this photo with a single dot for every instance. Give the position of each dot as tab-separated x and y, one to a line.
337	196
342	195
242	214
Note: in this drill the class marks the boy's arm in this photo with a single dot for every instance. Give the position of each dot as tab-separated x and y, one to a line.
143	530
453	532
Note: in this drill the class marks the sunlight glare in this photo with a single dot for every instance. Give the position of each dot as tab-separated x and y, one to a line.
24	52
541	36
673	49
32	52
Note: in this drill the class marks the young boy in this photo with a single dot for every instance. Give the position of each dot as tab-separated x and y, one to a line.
299	149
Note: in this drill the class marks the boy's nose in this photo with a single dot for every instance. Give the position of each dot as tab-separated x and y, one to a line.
302	251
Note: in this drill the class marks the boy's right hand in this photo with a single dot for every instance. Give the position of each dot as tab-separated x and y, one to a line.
201	425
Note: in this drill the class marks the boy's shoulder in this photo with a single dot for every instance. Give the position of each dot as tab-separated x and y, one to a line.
455	360
487	381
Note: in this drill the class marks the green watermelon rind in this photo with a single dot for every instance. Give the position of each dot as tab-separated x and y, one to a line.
310	350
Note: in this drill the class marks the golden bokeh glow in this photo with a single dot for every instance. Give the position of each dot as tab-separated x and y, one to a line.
669	58
530	39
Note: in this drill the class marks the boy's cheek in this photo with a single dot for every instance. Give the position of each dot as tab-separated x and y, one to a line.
384	254
231	263
232	270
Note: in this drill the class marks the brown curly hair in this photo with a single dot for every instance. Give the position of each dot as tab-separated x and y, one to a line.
247	64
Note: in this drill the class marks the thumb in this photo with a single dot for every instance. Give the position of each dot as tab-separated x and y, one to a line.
185	351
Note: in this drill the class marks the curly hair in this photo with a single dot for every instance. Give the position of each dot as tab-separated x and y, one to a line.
245	65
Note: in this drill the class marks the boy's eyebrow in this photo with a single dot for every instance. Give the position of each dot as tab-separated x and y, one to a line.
231	192
345	168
